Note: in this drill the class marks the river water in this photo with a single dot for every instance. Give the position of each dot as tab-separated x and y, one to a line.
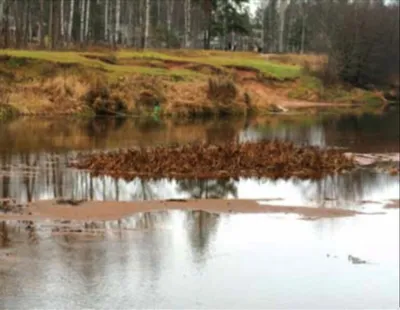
193	259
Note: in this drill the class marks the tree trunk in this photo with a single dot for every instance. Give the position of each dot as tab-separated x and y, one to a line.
188	23
158	12
26	22
62	32
130	29
303	27
263	30
18	24
1	13
82	21
50	25
71	20
170	10
7	24
146	24
225	25
56	25
117	21
271	28
87	20
282	19
30	34
207	23
106	5
41	25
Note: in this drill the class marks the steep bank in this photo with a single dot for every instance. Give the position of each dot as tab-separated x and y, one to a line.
170	82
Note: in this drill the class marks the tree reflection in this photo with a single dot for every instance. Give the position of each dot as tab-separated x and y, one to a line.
208	189
351	187
202	226
143	190
4	238
149	220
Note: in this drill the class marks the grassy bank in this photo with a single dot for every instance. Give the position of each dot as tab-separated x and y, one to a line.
178	82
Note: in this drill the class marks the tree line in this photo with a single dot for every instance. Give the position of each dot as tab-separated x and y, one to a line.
360	36
135	23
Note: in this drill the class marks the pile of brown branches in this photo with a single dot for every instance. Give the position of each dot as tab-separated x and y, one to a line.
272	159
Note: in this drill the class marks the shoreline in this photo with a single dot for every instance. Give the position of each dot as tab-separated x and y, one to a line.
129	83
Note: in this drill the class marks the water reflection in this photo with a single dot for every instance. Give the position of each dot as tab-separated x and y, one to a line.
207	189
202	228
234	261
214	263
44	176
361	133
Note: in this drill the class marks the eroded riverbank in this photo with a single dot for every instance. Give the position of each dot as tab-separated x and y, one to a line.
198	83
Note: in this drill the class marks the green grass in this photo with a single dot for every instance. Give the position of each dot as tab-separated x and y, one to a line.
311	88
7	112
79	58
268	68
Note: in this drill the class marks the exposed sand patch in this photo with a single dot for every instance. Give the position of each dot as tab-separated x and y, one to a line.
393	204
114	210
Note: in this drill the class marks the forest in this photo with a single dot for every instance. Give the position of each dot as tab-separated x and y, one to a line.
360	36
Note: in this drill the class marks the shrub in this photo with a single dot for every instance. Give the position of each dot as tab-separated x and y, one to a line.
221	90
103	102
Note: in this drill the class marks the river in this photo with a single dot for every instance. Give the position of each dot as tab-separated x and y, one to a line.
194	259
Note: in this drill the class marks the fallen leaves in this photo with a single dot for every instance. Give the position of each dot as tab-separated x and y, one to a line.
273	159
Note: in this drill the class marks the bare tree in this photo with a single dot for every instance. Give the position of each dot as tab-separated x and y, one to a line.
71	19
303	25
87	19
283	4
170	10
62	20
188	23
146	24
82	20
117	20
41	24
106	27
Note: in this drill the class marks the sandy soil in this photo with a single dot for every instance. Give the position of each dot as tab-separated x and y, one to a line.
393	204
113	210
372	159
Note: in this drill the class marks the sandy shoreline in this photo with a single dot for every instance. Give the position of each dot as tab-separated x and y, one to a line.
114	210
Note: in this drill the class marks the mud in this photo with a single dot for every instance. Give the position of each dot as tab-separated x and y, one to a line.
113	210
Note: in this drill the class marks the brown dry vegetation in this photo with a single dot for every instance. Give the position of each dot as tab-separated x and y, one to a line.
194	83
202	161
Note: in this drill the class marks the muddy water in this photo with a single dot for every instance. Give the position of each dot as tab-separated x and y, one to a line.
193	259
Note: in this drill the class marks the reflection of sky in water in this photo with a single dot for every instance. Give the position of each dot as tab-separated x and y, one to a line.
314	135
180	259
344	190
198	260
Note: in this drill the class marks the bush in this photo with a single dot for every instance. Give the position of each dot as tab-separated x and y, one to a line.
221	90
7	111
102	102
